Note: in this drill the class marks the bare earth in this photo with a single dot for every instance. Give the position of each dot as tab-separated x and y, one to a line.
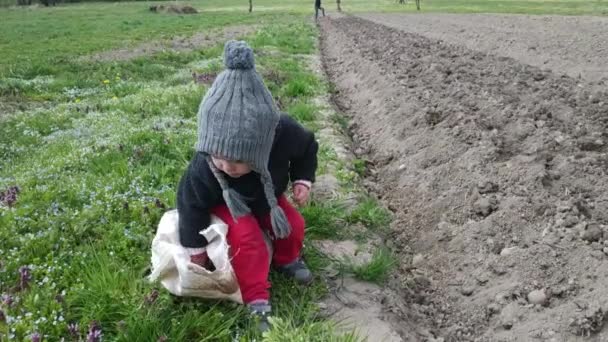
494	168
570	45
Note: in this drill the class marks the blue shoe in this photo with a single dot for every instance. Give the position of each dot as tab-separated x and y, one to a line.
298	271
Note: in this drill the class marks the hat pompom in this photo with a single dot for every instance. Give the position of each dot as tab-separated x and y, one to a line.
238	55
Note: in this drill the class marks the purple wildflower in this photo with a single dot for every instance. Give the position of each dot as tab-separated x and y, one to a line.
152	297
74	330
9	196
7	300
36	337
206	78
24	277
94	334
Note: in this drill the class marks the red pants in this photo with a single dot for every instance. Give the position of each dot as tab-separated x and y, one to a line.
250	259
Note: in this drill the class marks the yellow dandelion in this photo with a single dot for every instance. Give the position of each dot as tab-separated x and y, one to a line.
106	81
77	100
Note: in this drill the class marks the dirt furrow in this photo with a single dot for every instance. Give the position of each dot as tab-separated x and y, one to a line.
570	45
496	173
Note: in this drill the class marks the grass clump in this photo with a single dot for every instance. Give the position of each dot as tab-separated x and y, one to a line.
324	220
285	331
377	269
371	214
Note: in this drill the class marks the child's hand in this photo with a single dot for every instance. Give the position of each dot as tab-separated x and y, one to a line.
301	193
200	259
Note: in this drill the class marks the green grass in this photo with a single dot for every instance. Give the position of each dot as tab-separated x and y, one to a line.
322	332
43	41
303	112
360	167
371	214
378	269
341	121
331	219
324	220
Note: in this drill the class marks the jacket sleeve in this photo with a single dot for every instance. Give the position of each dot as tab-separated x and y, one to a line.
193	209
303	160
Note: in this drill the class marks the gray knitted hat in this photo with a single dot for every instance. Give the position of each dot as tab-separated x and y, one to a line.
236	121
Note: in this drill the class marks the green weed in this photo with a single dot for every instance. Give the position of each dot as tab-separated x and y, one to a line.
371	214
323	220
286	331
377	269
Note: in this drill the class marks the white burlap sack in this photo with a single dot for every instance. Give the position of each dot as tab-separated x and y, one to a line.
172	267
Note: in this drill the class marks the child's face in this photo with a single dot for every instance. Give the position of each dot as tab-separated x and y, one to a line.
234	169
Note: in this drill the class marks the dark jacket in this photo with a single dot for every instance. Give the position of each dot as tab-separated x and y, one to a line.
293	157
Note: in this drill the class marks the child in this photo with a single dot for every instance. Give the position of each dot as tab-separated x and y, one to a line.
246	154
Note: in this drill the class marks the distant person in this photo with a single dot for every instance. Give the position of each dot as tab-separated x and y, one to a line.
317	8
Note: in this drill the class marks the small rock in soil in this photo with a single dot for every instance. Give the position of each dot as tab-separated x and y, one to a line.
497	247
570	221
422	281
580	227
599	255
493	309
482	279
417	260
590	144
508	316
509	251
467	289
538	297
498	269
486	187
484	206
558	291
593	232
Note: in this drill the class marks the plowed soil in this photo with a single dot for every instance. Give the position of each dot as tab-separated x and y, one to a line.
575	46
495	170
